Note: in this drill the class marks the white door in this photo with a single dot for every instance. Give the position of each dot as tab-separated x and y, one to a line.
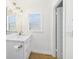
59	32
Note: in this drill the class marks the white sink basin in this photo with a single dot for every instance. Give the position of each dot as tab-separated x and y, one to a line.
17	37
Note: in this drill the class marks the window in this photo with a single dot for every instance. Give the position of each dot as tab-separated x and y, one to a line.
11	23
35	22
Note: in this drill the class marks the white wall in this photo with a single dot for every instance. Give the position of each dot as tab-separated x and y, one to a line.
42	42
69	29
68	38
53	29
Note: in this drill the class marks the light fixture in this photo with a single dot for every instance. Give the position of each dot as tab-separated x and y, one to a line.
14	3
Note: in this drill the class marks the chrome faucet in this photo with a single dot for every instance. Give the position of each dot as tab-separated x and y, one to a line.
20	33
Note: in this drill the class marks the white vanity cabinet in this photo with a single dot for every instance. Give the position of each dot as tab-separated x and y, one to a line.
18	48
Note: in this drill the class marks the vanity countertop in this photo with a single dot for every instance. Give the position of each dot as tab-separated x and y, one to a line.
16	37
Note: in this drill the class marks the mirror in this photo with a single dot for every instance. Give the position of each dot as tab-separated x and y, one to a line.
10	21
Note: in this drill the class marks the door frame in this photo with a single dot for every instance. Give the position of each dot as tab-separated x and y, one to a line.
65	18
64	27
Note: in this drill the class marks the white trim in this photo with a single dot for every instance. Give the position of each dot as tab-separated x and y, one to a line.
55	6
64	29
64	26
53	30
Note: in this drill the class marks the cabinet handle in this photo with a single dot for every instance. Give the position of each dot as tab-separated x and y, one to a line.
20	46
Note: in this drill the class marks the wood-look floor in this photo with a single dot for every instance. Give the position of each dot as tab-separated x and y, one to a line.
40	56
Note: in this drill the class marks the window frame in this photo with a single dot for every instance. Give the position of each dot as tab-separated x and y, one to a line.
41	22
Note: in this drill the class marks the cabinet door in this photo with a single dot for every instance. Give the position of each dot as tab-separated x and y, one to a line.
14	50
27	46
